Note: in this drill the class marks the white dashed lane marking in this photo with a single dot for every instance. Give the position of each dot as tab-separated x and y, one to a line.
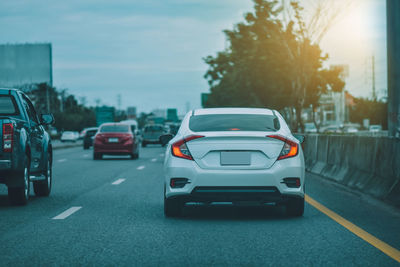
117	182
153	160
67	213
140	167
61	160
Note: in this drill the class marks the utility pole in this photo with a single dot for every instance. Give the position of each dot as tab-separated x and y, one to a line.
393	59
47	98
373	79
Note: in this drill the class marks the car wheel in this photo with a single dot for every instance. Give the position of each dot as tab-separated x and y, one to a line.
144	144
172	207
20	195
295	207
135	155
97	156
43	188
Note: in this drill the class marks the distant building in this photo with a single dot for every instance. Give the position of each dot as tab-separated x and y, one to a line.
22	65
159	113
158	116
334	109
131	113
334	106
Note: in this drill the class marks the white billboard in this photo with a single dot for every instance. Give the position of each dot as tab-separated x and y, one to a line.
25	64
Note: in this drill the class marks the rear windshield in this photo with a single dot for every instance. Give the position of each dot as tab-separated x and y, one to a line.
115	128
153	128
7	105
233	122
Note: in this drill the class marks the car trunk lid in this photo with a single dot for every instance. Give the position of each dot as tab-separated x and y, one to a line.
233	150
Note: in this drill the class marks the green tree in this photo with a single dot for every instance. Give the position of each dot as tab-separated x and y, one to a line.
68	113
270	64
374	110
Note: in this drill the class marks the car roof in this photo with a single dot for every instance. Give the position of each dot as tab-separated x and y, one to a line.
7	90
256	111
112	124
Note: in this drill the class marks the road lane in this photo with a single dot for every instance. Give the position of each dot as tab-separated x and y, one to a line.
67	213
119	181
125	225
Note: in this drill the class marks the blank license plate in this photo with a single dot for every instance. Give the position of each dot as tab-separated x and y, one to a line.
235	158
113	140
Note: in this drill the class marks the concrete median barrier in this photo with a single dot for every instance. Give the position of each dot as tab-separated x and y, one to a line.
368	164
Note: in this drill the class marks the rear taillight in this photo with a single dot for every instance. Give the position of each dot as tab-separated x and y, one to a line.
98	138
290	148
180	149
8	132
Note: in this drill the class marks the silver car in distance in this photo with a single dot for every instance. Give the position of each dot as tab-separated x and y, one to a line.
234	155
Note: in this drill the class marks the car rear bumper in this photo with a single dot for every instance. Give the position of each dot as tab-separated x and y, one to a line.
259	179
262	194
5	164
114	149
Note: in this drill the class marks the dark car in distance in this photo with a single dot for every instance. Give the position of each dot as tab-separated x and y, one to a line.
152	133
88	137
115	139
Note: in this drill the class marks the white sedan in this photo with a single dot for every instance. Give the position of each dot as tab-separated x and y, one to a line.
69	136
234	155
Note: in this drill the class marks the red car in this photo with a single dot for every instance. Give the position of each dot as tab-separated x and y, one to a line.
115	139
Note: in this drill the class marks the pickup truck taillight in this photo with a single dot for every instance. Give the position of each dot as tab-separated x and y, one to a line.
8	132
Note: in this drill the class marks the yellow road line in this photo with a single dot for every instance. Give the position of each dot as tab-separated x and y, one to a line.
382	246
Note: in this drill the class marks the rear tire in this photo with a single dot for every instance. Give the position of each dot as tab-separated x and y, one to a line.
172	207
295	207
135	155
43	188
97	156
20	195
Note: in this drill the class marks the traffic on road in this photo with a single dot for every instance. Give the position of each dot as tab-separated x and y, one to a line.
227	189
200	133
110	212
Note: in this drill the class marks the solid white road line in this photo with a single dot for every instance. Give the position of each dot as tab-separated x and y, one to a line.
153	160
61	160
140	167
67	213
117	182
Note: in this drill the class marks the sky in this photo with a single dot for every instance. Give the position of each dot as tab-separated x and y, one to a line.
151	52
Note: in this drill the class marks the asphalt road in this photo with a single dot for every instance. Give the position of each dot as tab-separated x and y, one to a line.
114	216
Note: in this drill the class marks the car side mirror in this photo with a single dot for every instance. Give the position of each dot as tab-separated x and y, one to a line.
165	138
46	119
300	137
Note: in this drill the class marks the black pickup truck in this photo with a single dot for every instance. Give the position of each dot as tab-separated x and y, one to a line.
26	152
